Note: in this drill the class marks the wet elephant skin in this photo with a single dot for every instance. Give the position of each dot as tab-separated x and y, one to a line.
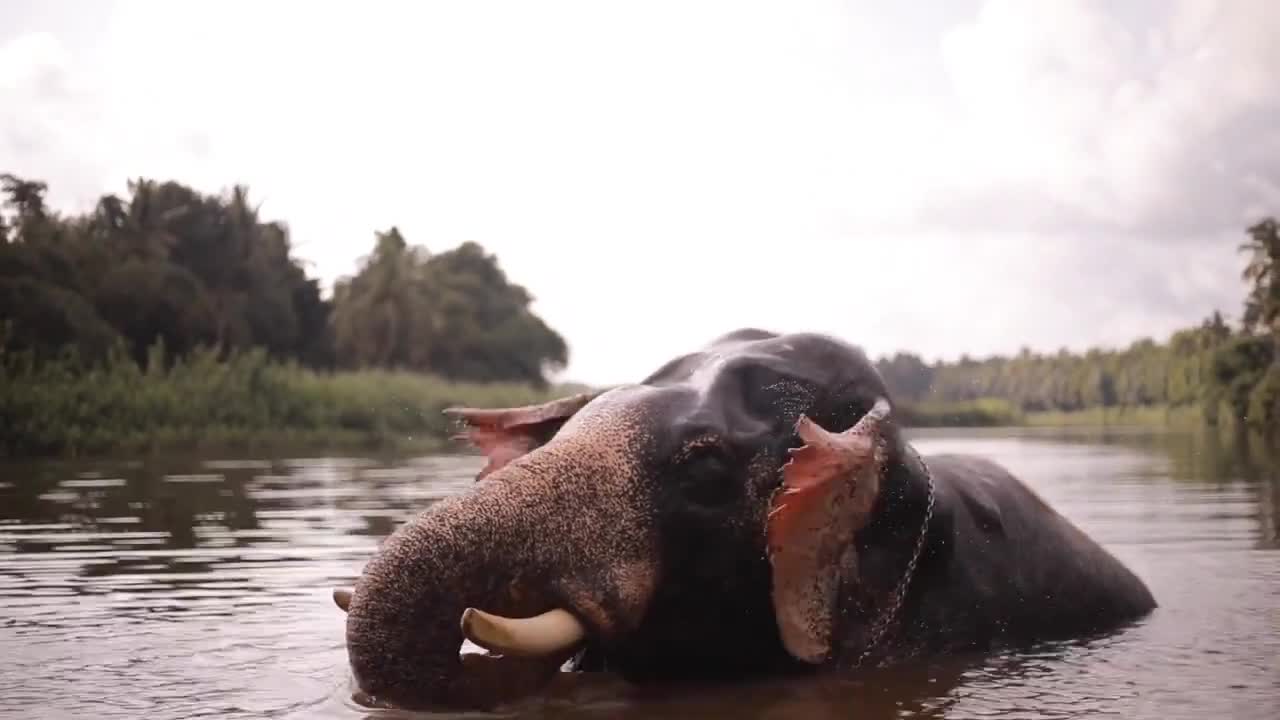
647	511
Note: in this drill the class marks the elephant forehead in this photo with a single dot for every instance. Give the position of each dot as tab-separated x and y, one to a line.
726	391
739	366
650	418
741	386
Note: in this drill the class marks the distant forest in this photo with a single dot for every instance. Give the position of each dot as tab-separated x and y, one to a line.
168	266
1218	369
167	271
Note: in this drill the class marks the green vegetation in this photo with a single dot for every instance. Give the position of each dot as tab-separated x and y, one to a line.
174	319
1184	416
198	271
1209	374
240	402
964	413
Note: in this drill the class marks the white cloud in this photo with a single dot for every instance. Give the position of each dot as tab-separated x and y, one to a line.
1159	124
47	118
961	191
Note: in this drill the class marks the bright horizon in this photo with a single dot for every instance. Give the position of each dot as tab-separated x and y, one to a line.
961	180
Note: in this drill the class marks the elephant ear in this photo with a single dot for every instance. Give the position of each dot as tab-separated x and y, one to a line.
504	434
830	483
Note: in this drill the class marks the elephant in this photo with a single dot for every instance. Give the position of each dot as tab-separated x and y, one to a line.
751	509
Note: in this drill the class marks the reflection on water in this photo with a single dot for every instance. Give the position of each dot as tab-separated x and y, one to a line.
192	588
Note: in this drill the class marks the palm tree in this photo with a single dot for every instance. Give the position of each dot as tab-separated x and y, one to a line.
385	315
25	196
110	216
146	234
1262	307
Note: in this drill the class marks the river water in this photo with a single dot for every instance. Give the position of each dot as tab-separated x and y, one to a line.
188	587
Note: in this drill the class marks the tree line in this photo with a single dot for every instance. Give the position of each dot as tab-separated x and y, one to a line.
166	265
167	272
1213	366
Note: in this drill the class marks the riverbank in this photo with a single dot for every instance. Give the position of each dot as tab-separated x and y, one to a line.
248	404
244	404
985	412
1184	416
996	412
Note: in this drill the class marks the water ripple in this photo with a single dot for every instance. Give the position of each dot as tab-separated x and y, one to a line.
200	588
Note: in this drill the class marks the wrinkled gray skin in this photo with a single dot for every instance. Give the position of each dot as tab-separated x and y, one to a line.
643	511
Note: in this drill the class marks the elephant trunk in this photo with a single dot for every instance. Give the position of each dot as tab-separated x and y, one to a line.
514	546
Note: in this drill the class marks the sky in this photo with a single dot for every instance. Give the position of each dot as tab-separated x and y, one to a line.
942	178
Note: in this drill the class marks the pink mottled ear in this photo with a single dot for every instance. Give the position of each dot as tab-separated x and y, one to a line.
830	484
504	434
814	471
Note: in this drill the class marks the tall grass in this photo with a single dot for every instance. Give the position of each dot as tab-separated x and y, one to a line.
248	403
1177	416
984	412
1000	412
245	402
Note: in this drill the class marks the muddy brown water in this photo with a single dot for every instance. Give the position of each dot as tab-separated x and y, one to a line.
200	587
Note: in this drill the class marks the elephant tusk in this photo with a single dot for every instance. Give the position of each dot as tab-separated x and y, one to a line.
342	598
550	632
871	421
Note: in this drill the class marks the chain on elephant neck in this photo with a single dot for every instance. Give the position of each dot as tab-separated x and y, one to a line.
881	625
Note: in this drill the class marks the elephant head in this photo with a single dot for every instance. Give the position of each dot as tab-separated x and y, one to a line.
697	524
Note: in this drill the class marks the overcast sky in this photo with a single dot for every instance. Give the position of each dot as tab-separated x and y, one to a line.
946	178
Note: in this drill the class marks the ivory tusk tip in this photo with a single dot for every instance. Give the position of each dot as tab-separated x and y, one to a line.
487	631
551	632
467	622
342	598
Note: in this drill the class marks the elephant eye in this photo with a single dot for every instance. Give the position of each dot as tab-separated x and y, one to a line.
706	477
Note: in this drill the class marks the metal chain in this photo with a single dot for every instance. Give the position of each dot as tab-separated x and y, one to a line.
881	625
